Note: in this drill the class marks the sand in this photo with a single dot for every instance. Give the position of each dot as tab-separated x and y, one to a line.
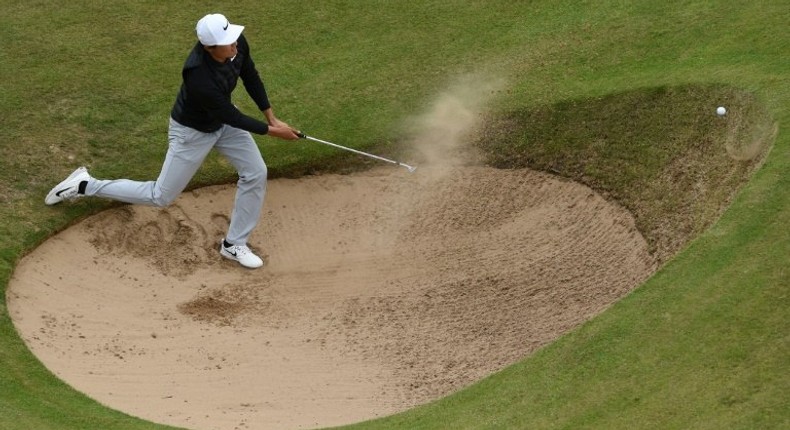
381	290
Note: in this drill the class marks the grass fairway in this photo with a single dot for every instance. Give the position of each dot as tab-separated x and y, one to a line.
703	344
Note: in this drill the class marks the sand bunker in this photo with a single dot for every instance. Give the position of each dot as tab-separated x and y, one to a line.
381	291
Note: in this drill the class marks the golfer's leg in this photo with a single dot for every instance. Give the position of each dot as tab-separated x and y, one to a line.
186	151
240	149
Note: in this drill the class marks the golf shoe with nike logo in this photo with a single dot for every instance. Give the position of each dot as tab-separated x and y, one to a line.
240	253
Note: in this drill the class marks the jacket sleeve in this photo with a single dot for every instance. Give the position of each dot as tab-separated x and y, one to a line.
251	78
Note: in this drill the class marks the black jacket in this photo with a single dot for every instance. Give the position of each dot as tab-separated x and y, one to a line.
204	102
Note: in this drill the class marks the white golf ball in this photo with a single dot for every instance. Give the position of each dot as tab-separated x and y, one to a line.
721	111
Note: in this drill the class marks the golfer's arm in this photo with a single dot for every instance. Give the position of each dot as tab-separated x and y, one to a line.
225	112
269	114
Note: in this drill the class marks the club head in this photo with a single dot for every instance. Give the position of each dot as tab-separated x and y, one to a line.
411	169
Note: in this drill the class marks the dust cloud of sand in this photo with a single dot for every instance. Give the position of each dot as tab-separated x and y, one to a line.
440	135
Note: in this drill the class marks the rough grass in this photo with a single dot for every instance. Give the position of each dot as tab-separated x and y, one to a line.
661	152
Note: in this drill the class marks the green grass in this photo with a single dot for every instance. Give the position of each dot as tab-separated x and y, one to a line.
616	91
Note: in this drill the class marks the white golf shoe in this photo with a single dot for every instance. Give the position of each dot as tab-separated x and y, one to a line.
68	189
240	253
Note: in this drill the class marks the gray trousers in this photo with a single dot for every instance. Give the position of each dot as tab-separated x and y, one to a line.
186	152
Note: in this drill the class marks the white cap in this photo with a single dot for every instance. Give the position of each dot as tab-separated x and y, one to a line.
215	29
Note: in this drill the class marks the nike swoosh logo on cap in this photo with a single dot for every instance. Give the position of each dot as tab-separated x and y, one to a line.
226	25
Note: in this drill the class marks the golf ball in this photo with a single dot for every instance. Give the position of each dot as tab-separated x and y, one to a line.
721	111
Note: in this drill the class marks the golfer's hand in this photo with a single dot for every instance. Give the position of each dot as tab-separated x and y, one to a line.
283	132
277	122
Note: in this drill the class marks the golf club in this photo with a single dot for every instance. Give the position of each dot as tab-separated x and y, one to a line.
411	169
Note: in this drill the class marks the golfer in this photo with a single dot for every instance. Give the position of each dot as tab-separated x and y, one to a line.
203	118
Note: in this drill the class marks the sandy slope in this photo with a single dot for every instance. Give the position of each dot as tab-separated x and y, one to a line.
381	290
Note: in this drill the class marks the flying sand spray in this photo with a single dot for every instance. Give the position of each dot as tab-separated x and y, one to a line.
448	122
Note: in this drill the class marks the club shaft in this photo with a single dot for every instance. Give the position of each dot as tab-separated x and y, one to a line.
357	152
